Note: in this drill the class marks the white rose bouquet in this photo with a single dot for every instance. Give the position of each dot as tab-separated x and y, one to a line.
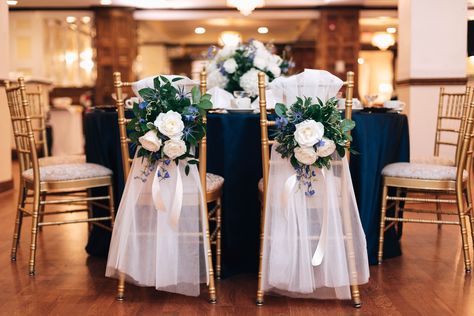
167	123
236	68
309	134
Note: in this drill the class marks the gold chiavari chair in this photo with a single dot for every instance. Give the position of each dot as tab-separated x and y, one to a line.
213	184
263	183
69	180
427	180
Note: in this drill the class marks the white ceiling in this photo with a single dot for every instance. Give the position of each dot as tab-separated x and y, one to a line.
192	4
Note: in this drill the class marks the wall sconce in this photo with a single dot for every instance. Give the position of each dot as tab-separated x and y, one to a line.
383	40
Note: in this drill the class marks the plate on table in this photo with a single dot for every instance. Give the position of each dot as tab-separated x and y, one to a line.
241	111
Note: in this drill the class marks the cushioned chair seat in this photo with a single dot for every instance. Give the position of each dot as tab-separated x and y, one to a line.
421	171
60	160
434	160
213	182
67	172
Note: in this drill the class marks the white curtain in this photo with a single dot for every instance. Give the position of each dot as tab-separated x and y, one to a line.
325	225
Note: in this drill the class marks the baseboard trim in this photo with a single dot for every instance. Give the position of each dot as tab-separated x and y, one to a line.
6	185
433	82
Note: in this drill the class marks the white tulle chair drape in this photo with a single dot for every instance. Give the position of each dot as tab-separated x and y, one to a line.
314	247
146	246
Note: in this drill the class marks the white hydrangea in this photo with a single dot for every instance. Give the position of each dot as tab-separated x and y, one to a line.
230	65
249	81
216	79
275	70
262	59
226	52
258	44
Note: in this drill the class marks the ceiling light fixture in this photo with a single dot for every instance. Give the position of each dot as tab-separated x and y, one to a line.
360	61
246	7
12	2
71	19
383	40
105	2
262	30
199	30
391	30
230	38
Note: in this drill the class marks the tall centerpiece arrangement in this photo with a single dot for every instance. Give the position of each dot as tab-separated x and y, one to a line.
309	133
168	124
235	68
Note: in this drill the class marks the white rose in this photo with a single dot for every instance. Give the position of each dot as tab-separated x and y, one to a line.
305	155
170	124
308	133
150	141
230	65
327	147
275	70
174	148
249	81
262	59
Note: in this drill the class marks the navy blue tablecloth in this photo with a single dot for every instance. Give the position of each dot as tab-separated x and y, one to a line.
234	153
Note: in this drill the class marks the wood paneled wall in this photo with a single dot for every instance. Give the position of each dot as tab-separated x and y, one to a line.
338	42
116	45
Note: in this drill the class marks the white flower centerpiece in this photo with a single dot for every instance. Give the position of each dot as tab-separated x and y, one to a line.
235	68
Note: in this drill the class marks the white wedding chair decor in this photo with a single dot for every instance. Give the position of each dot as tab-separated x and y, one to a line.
161	236
312	242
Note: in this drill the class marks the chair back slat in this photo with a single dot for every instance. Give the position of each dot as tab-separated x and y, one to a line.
203	142
22	128
38	119
122	123
464	160
450	123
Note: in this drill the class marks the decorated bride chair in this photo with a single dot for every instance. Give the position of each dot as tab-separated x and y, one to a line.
312	242
151	244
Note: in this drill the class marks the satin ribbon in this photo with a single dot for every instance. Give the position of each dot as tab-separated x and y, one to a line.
288	191
176	204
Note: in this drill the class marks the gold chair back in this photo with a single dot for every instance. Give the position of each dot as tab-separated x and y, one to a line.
23	131
452	109
265	123
38	118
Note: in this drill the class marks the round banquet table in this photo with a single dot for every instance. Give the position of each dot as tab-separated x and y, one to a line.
234	153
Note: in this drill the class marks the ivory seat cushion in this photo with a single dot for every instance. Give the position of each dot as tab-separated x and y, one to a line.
68	172
213	182
434	160
60	160
421	171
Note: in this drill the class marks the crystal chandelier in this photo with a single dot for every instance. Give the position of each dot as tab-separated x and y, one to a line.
246	6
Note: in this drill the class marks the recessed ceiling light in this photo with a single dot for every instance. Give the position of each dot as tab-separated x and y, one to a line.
360	61
71	19
86	19
12	2
199	30
391	30
105	2
262	30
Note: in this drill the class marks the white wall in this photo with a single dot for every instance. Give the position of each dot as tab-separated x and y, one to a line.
152	60
5	129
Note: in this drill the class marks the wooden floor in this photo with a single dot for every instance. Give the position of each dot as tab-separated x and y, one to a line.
428	279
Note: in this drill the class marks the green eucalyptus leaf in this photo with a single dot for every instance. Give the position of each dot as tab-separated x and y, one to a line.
280	109
177	79
196	95
205	105
147	94
156	83
206	97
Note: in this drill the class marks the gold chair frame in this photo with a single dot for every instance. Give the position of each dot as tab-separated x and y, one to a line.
211	196
26	146
265	144
459	187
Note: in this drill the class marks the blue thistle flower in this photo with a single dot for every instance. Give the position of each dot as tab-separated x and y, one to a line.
142	105
298	116
281	122
142	120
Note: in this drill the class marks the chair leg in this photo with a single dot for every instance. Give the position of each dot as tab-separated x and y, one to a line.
462	224
471	212
260	257
34	231
121	288
42	207
355	294
89	210
383	211
218	239
18	222
111	205
439	217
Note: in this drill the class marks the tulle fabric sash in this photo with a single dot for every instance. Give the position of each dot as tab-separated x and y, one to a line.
146	246
296	229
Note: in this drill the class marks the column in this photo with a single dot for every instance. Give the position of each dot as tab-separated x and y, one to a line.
6	181
337	42
116	47
432	53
